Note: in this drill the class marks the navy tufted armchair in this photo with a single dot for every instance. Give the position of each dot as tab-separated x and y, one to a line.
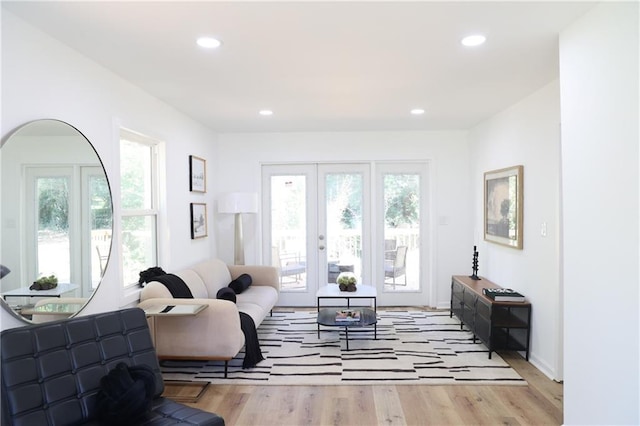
51	372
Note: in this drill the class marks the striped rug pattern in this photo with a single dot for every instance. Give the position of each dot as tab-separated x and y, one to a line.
412	347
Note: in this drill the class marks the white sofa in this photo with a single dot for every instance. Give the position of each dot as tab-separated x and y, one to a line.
215	332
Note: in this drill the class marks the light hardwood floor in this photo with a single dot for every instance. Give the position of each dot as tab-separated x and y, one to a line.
538	403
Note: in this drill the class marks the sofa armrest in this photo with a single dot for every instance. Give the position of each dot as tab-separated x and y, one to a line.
213	333
260	274
155	290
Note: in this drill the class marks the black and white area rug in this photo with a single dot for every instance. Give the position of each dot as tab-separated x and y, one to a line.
412	347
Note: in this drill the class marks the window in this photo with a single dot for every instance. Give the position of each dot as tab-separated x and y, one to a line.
139	204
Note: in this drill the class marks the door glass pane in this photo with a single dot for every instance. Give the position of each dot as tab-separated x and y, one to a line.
289	230
54	256
100	207
401	232
344	224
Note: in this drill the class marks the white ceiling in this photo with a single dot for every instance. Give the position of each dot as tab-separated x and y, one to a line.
320	66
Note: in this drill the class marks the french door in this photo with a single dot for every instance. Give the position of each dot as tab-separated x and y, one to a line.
403	236
68	210
320	220
315	217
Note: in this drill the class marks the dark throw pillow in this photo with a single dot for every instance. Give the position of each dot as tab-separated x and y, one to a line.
125	395
226	293
241	283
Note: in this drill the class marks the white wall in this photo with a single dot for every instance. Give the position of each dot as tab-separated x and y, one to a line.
599	79
242	155
42	78
527	133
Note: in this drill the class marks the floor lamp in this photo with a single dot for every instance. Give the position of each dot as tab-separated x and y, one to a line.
238	203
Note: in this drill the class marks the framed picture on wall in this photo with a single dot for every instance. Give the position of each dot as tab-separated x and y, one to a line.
197	174
198	220
503	205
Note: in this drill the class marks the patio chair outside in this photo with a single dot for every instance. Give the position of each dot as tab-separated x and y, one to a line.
397	266
288	264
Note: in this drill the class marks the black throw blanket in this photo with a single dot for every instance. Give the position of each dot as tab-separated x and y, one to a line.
252	351
175	285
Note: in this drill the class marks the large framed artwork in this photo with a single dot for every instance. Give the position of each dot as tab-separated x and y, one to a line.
503	206
198	220
197	174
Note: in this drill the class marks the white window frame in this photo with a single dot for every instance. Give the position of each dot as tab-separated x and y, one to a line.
131	290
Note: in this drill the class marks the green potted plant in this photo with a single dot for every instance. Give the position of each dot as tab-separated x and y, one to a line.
347	281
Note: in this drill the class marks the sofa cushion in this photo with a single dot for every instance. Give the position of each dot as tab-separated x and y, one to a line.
261	295
194	282
241	283
257	301
256	312
214	274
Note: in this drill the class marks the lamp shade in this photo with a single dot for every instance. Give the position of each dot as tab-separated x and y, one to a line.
238	202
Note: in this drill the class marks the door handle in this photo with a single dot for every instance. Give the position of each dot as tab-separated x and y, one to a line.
321	247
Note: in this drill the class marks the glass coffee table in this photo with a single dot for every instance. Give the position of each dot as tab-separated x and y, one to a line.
327	316
368	318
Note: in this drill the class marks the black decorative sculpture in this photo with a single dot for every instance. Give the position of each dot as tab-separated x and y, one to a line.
475	265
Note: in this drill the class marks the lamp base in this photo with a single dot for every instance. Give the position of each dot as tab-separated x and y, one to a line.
238	256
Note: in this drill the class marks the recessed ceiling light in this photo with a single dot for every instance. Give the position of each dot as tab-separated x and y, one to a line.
208	42
266	112
417	111
473	40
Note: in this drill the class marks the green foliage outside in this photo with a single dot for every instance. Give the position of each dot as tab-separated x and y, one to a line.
53	204
137	232
101	213
401	200
344	199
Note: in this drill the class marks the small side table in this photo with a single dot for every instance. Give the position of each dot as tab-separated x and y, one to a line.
155	311
182	310
55	308
174	310
57	291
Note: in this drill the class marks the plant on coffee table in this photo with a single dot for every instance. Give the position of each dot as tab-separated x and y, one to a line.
347	281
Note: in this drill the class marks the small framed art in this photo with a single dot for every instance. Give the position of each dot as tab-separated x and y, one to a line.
198	220
197	174
503	206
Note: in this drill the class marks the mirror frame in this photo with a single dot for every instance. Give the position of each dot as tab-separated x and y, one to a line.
5	140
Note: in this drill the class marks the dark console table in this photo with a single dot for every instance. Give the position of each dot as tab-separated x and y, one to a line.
500	325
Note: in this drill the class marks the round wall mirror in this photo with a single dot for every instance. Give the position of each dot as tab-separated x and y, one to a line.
57	221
